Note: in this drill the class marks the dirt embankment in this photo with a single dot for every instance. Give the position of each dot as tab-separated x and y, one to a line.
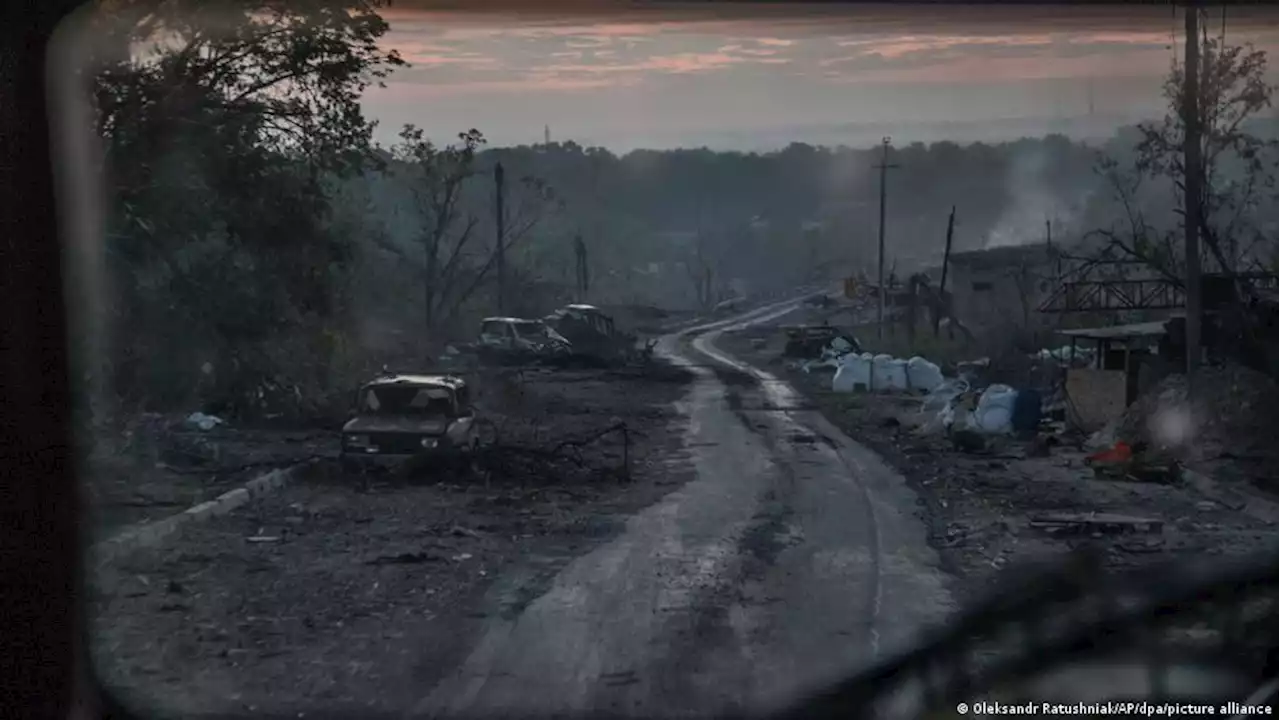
325	594
987	512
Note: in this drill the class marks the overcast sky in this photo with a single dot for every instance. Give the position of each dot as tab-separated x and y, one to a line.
753	76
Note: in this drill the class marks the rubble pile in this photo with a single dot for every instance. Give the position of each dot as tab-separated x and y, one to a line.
1234	417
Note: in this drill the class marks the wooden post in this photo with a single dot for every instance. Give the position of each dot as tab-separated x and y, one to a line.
583	279
913	306
884	168
1191	189
942	285
500	221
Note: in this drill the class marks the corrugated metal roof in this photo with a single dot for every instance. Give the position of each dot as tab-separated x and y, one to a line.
1115	332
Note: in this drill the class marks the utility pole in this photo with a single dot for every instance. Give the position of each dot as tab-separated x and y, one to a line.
583	279
942	284
1191	190
884	168
500	221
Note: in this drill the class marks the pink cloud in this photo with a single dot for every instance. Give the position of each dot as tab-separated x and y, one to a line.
413	93
429	61
903	46
978	69
676	63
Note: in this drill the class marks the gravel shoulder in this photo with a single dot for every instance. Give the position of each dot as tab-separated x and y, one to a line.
322	595
979	509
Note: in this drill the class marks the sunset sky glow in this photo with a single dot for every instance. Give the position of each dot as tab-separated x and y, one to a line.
671	76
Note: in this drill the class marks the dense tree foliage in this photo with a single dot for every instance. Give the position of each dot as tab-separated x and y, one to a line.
224	126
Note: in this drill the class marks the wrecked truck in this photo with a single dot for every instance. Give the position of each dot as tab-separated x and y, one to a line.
403	417
510	340
594	337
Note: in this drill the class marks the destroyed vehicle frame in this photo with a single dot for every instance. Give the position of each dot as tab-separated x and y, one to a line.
521	340
593	334
400	417
808	341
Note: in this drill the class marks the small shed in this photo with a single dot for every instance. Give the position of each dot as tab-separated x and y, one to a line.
1124	354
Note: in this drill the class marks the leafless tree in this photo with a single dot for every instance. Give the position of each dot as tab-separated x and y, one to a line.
453	263
1238	173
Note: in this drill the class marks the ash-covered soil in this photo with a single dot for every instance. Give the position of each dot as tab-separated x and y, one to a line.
158	467
325	595
981	509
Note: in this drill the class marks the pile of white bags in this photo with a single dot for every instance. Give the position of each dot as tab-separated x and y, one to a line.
837	348
994	413
832	356
888	373
923	375
943	395
853	371
884	373
940	406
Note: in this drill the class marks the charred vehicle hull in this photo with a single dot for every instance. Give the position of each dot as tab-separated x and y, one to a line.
405	418
364	449
519	341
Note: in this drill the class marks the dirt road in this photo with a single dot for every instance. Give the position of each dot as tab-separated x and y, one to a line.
792	556
754	552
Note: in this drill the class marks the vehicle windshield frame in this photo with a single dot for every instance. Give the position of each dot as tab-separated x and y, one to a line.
405	410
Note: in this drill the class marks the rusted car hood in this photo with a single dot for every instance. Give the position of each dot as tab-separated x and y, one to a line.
369	424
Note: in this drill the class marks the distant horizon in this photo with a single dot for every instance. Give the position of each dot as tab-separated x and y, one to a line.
747	77
865	136
861	136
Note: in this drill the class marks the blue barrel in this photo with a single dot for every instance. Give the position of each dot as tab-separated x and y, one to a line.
1026	412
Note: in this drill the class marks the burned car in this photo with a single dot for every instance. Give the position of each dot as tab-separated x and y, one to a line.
399	417
518	340
593	334
810	341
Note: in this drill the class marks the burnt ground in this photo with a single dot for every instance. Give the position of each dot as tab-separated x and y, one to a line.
158	467
324	593
979	509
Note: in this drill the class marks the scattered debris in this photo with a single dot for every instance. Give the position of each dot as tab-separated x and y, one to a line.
201	421
405	558
1237	416
1094	523
1214	491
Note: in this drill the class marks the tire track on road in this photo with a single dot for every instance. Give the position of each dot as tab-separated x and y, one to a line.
779	425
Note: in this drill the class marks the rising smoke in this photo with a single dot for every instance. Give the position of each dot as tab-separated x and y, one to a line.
1034	199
